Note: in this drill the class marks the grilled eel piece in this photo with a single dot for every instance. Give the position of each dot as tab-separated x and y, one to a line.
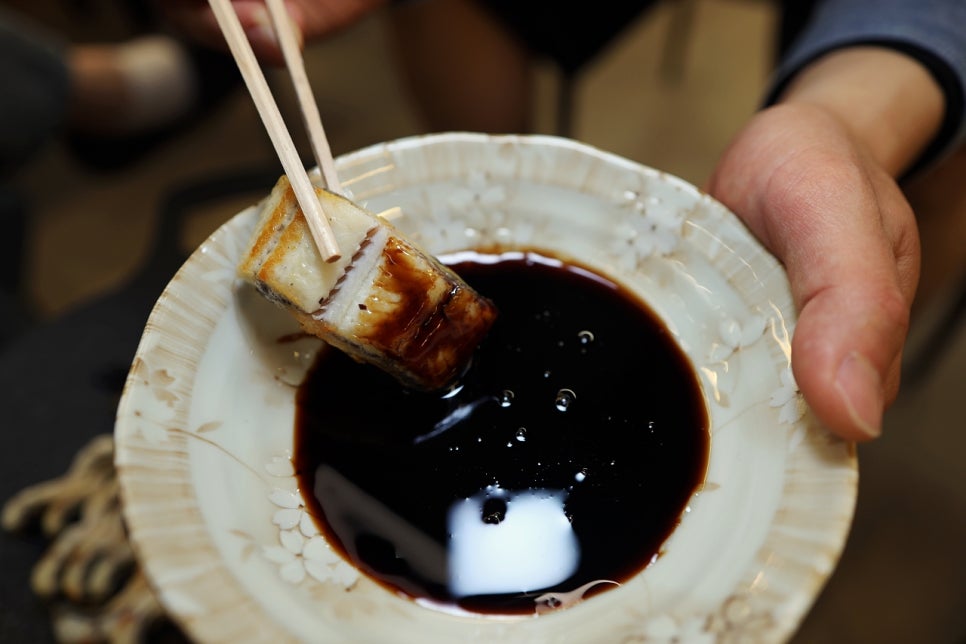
385	302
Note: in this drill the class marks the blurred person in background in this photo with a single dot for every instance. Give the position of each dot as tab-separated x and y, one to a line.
109	102
55	88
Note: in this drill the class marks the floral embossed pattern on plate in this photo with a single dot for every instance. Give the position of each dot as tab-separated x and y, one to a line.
204	431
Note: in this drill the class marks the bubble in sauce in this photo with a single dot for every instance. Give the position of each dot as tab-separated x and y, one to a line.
494	510
553	602
565	398
506	398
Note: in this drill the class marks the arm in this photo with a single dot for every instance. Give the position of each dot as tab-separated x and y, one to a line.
814	176
888	102
929	32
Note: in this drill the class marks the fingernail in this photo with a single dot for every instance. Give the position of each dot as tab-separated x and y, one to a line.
860	385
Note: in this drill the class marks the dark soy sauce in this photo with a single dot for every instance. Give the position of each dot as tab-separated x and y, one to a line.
561	461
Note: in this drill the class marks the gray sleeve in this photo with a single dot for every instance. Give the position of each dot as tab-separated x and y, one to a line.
932	31
35	86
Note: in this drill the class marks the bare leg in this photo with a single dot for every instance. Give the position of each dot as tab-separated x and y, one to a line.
463	69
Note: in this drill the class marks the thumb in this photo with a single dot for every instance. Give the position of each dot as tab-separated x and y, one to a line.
846	352
847	239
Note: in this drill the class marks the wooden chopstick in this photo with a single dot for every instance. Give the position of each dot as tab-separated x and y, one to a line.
289	43
272	119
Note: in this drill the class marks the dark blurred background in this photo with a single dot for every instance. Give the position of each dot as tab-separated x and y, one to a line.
669	93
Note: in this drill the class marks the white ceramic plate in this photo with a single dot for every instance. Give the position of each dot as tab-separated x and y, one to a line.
205	428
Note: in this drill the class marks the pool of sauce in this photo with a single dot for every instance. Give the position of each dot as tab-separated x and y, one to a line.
555	468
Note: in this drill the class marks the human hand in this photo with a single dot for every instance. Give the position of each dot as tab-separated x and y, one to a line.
823	205
813	178
313	19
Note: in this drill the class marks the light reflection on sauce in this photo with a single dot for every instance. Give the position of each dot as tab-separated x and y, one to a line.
525	542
